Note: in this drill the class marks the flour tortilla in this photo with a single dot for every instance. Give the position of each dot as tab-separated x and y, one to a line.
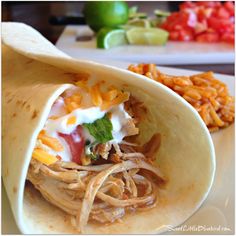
34	74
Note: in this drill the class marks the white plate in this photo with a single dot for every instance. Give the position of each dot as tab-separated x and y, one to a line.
216	215
173	53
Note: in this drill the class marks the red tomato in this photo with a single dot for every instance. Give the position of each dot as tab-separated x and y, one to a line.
200	27
174	35
220	25
229	6
211	4
221	13
228	38
203	21
186	35
177	19
181	35
204	13
187	5
208	37
76	142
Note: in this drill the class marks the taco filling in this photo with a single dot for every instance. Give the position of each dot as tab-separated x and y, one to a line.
87	160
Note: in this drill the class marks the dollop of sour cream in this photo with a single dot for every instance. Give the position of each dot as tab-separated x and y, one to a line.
119	118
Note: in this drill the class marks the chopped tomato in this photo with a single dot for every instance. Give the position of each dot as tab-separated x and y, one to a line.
220	25
187	5
76	143
228	38
221	13
205	21
211	4
181	35
208	37
229	6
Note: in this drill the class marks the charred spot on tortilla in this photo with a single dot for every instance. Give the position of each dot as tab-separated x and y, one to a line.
14	114
28	107
8	94
177	117
35	114
23	104
10	100
15	189
6	173
29	61
18	102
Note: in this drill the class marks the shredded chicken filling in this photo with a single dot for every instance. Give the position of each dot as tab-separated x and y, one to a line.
106	189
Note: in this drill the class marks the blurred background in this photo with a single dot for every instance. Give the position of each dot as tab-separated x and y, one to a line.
38	14
51	19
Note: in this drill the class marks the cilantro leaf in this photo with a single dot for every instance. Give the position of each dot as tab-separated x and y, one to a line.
100	129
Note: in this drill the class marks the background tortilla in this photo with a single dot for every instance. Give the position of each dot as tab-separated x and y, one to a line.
34	74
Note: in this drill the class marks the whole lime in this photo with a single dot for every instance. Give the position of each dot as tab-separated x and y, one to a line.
105	14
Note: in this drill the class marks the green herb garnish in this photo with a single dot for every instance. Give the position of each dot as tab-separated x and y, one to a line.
100	129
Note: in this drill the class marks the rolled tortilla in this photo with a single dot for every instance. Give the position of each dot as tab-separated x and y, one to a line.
34	74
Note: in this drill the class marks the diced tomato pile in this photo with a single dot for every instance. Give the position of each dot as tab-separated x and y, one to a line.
202	22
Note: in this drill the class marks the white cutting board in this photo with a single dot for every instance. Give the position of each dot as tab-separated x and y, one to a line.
173	53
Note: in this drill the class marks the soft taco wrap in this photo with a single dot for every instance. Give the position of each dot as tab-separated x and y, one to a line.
88	149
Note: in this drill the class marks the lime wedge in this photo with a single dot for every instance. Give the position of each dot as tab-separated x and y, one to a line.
139	23
141	15
157	21
109	38
147	36
160	13
133	10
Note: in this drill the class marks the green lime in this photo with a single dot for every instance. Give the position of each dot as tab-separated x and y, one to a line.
109	38
147	36
139	23
100	14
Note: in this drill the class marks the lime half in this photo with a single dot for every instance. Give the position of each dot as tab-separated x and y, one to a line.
109	38
147	36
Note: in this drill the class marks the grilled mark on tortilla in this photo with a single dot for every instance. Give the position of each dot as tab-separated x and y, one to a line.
14	189
35	114
29	61
18	102
23	104
6	172
28	107
10	100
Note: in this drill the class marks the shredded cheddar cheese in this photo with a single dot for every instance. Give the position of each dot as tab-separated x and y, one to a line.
83	84
96	94
110	95
53	117
43	157
73	102
71	120
122	97
50	142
